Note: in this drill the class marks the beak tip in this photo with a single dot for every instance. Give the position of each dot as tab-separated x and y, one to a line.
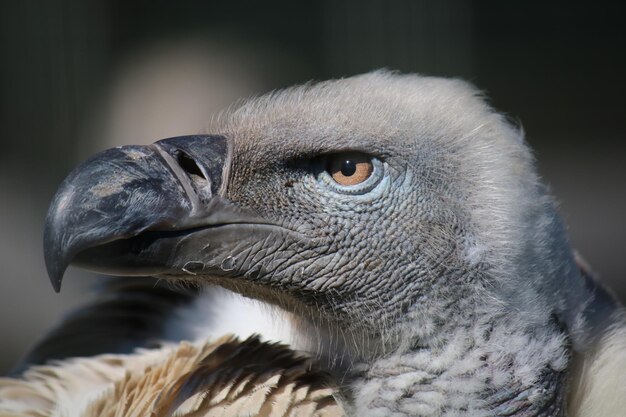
55	264
56	271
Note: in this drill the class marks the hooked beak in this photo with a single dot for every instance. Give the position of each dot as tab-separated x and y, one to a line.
131	210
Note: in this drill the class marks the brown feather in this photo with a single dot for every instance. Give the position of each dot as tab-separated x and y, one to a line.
225	378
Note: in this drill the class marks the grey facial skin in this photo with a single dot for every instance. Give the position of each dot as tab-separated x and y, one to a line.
445	280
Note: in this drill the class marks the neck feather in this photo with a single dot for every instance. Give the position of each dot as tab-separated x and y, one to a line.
481	370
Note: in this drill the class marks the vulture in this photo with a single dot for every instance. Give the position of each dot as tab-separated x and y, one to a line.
379	245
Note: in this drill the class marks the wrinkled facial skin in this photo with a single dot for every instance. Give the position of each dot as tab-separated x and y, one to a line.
369	255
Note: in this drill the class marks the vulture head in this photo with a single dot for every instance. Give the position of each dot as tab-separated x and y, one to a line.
398	215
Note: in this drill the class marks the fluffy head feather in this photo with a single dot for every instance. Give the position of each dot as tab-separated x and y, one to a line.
461	205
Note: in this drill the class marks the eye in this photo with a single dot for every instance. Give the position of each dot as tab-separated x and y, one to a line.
351	172
349	168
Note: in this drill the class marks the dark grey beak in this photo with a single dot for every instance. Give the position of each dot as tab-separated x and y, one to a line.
130	210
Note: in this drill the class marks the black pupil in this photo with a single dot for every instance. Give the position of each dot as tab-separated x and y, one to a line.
348	168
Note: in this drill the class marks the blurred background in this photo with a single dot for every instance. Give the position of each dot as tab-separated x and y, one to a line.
79	76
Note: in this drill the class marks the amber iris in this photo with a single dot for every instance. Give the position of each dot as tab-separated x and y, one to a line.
350	168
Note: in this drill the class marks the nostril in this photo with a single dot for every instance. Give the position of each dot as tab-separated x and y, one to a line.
189	165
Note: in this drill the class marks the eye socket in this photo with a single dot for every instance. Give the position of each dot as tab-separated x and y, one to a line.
349	168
